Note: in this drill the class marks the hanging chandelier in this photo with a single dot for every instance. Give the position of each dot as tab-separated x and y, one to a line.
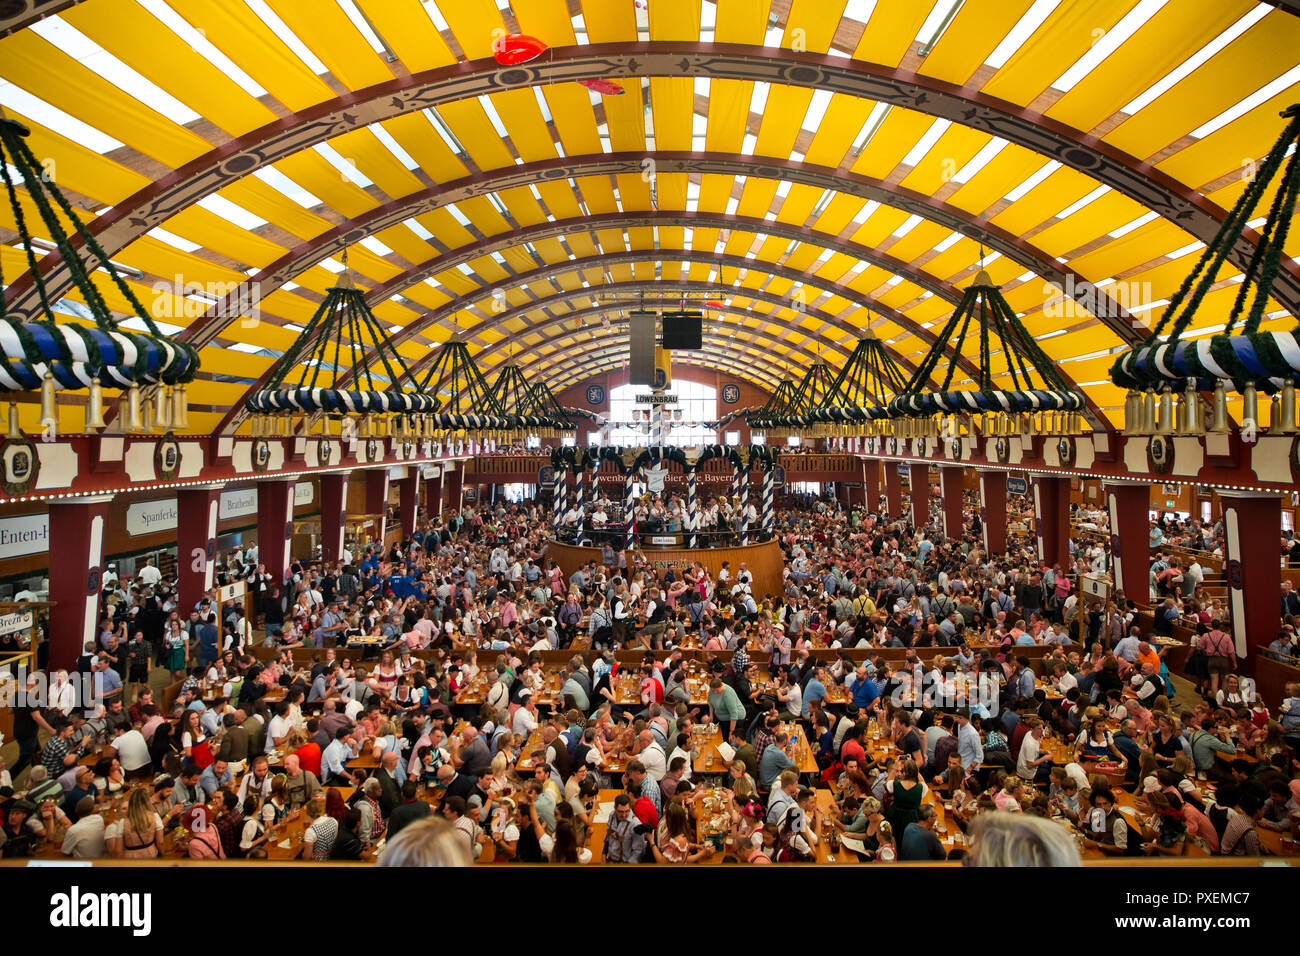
342	335
549	407
1025	393
51	354
1241	356
519	403
860	395
812	393
463	402
770	419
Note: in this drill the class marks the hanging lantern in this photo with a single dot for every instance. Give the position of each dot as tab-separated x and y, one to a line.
515	48
462	399
1242	355
861	392
524	407
1035	383
49	354
307	377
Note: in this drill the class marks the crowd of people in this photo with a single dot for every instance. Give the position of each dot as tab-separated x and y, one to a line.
258	738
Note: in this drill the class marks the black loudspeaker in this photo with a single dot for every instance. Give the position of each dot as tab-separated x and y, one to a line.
683	330
641	347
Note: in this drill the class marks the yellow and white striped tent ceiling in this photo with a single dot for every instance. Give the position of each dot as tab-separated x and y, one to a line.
817	166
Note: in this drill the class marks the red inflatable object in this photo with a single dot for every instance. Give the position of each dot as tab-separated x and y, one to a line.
517	48
605	87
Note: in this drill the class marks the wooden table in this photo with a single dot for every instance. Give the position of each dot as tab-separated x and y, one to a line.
596	832
706	741
293	830
627	689
807	761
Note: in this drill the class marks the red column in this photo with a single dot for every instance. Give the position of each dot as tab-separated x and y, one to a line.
377	499
1129	504
433	494
1251	523
333	508
919	480
1052	518
993	510
893	489
871	482
274	525
456	485
76	575
196	542
951	483
408	496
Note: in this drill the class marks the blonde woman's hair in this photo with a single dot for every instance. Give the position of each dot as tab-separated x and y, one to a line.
428	842
315	807
1014	839
499	765
140	812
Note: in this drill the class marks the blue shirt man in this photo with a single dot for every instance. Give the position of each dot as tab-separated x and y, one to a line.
208	636
213	779
814	692
969	746
333	760
770	765
1127	648
864	690
1026	682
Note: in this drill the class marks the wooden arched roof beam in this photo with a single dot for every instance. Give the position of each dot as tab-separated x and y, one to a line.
1077	150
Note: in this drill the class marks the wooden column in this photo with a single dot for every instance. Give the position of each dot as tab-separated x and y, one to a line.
433	494
408	497
919	480
1129	505
1253	568
993	510
333	510
377	500
871	482
455	485
76	576
952	485
893	489
1052	518
275	525
196	542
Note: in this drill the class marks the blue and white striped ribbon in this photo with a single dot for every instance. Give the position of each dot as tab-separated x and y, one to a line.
657	424
769	501
629	496
578	476
557	514
744	505
692	515
564	491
